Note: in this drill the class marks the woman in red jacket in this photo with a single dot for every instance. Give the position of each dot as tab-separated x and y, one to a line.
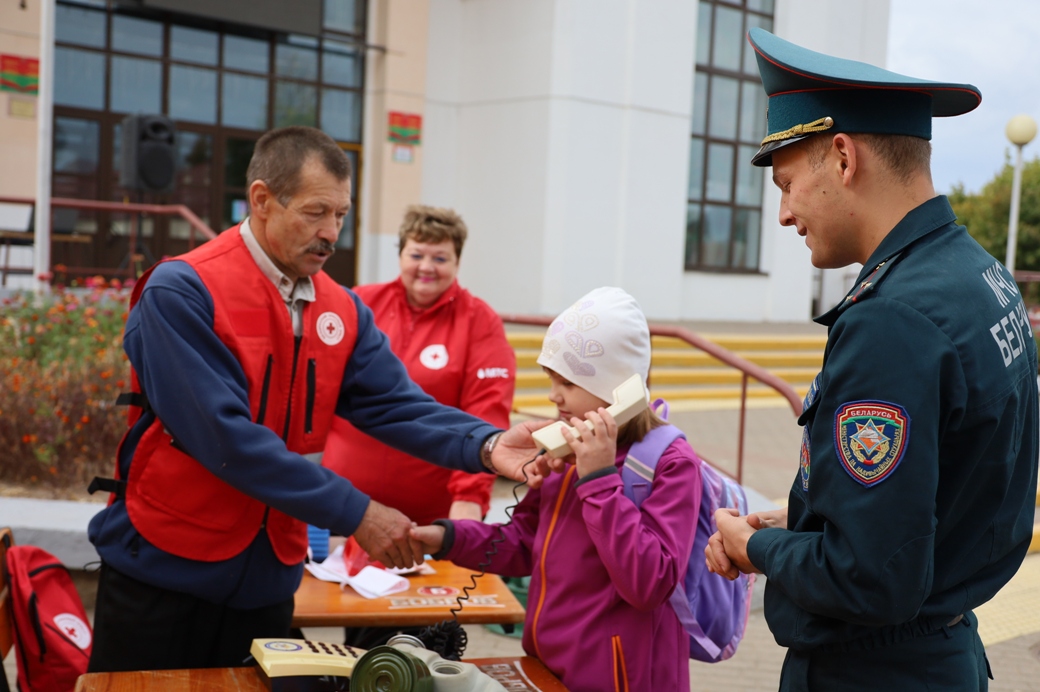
455	348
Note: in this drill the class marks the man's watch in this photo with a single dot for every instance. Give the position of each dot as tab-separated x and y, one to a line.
486	449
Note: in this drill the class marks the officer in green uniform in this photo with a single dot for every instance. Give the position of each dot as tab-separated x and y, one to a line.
914	499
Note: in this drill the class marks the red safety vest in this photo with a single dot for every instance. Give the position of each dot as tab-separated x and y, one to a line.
174	501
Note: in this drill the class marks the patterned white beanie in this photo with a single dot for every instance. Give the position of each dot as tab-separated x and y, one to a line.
599	342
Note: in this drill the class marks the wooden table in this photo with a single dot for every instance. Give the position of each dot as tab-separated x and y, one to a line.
524	673
427	601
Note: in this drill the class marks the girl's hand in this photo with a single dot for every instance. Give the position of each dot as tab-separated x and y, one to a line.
431	537
597	448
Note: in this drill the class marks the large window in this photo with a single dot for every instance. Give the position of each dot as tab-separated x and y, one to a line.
223	85
724	199
212	74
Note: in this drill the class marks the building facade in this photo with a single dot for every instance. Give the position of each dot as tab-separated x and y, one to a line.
585	142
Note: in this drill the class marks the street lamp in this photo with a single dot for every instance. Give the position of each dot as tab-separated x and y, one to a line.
1020	130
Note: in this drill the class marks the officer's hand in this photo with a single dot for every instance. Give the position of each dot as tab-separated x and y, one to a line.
385	534
735	532
516	448
773	519
715	554
716	560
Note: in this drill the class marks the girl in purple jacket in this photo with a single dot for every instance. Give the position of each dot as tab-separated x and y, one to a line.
601	569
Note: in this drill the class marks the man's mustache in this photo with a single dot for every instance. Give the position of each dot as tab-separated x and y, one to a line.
322	246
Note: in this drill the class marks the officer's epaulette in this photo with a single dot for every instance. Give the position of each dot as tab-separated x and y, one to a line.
867	287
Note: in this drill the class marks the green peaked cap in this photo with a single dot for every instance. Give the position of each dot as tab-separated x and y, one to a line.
810	92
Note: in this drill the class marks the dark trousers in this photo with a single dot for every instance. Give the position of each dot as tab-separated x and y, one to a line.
142	627
951	659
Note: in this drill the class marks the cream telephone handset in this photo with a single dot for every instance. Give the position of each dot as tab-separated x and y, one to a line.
630	398
282	658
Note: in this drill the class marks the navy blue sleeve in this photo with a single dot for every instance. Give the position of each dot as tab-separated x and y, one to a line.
381	400
871	559
198	390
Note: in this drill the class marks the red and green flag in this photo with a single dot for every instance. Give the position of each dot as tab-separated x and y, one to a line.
405	128
18	74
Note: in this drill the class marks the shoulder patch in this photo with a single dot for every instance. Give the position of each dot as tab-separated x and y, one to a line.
804	457
870	438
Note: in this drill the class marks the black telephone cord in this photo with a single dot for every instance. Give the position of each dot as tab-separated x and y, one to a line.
447	637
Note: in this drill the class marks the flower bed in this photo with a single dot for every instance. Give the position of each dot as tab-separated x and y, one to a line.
61	368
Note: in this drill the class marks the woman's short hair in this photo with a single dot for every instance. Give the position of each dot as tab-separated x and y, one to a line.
280	154
426	224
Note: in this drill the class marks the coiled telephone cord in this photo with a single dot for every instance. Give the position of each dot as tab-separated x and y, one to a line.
448	638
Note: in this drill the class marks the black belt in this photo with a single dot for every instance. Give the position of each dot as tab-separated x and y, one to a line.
894	634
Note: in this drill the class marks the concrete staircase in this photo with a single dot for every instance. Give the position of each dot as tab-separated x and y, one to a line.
686	376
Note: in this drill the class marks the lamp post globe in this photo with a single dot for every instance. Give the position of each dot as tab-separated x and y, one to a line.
1020	131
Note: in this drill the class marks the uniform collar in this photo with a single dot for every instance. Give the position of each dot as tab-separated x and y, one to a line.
919	222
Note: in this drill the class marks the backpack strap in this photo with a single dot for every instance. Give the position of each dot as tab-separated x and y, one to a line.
108	485
641	461
137	399
680	603
640	466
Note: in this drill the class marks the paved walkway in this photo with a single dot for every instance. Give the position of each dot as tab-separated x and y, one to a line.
1009	624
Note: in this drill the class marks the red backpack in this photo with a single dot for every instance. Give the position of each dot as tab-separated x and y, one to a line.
52	635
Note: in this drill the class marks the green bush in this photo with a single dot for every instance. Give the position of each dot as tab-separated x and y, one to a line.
61	367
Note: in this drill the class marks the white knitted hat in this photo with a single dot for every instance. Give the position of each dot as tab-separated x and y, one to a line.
599	342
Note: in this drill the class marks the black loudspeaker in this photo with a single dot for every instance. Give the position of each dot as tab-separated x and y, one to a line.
149	161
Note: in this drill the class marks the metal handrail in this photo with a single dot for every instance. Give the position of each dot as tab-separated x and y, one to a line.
747	368
187	214
197	225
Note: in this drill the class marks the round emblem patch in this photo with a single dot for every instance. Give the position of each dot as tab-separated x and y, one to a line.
282	646
73	628
803	457
870	438
330	328
437	591
434	356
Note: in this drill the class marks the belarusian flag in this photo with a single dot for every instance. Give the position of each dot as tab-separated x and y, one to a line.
405	128
19	74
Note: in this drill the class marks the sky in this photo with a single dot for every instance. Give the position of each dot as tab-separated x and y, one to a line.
992	44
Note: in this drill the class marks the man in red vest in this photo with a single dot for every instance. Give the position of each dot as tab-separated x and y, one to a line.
242	351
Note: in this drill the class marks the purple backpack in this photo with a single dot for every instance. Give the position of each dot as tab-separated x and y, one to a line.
713	609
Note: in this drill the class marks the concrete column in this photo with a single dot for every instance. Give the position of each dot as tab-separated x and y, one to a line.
19	35
561	130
